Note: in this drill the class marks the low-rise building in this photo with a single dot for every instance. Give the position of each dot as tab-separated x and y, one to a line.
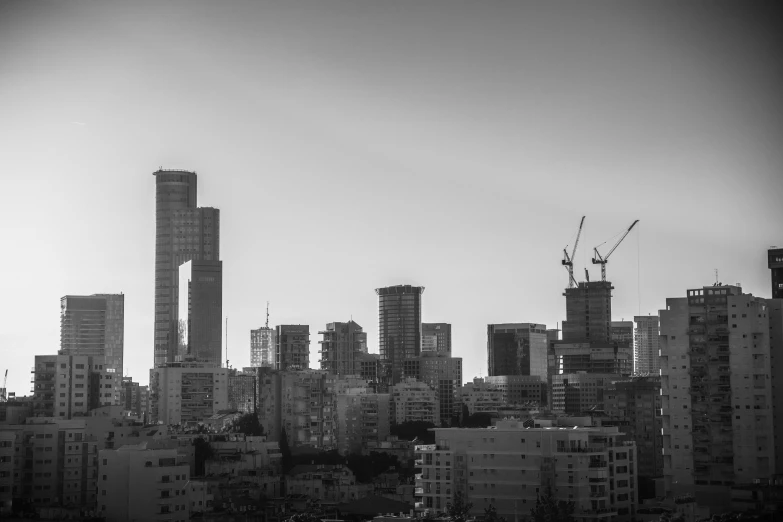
575	393
481	397
326	483
526	390
413	400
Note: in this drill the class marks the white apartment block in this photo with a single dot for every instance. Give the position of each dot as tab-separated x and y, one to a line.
480	396
716	392
415	401
646	359
509	466
187	392
135	483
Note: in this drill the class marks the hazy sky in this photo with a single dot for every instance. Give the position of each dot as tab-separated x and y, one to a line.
354	145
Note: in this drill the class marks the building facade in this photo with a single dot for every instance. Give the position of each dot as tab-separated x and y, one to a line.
135	398
292	348
67	386
341	344
94	325
242	387
717	394
182	232
443	373
262	347
399	329
517	349
413	400
361	418
510	466
576	393
775	264
187	392
525	390
588	312
200	312
646	360
436	337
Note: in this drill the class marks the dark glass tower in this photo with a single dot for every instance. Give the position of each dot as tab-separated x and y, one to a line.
775	257
399	329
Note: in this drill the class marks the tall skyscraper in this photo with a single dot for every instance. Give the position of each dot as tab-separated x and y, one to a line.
200	312
588	312
94	325
645	352
262	347
341	343
517	349
292	351
182	232
399	329
775	263
436	337
716	393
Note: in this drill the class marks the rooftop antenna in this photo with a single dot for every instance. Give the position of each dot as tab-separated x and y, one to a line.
716	277
267	314
226	341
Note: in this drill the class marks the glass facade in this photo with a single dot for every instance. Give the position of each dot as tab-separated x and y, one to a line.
399	329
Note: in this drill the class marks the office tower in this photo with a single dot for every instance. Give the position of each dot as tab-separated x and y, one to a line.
187	392
443	374
341	344
399	328
200	312
93	325
517	349
588	312
183	232
775	263
136	483
636	404
292	348
645	355
511	466
716	393
67	386
436	337
262	347
242	390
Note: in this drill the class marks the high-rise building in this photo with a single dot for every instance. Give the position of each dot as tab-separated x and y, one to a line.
67	386
362	418
242	387
292	348
436	337
94	325
512	465
645	352
775	263
262	347
775	313
341	343
717	393
517	349
200	312
443	374
182	232
187	392
399	328
588	312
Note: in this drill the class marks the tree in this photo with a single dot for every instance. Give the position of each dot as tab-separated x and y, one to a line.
491	515
458	511
247	424
547	509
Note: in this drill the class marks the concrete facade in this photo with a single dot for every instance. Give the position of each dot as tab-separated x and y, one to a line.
262	347
67	386
94	325
341	344
413	400
187	392
576	393
588	312
646	358
361	418
517	349
292	348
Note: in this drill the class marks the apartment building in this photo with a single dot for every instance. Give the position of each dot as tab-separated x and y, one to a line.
326	483
262	347
414	400
68	386
341	344
361	418
187	392
136	483
94	325
520	389
292	348
7	447
716	393
576	393
481	397
508	466
646	360
443	374
242	387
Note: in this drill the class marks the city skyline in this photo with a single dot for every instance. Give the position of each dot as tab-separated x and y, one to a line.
455	164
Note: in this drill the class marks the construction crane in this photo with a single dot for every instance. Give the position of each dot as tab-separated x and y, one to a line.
602	260
4	394
568	261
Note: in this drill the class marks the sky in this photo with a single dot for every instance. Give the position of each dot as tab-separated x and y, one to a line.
351	145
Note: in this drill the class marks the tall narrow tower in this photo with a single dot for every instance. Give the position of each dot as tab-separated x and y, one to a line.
399	328
183	233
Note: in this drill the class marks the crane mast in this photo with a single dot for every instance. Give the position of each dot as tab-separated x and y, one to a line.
602	260
568	260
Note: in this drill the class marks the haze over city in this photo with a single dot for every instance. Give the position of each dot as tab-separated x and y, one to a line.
357	145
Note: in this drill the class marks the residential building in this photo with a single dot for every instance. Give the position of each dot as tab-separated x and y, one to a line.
717	394
368	368
436	337
341	344
134	398
242	386
361	418
636	403
262	347
621	337
576	393
414	400
588	312
325	483
7	480
517	349
481	397
575	357
187	392
646	360
775	314
94	325
67	386
520	389
399	329
183	232
200	312
775	264
136	483
443	374
292	348
509	466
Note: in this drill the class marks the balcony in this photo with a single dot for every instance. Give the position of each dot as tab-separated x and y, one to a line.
598	464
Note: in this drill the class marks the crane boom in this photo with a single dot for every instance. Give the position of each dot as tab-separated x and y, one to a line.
576	243
602	260
568	260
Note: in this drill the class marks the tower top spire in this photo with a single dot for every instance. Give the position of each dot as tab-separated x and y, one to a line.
267	314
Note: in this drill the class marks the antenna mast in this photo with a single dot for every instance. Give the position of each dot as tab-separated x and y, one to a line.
226	341
267	314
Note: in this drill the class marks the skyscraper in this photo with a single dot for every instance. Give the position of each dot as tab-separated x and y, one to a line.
94	325
436	337
292	349
588	312
341	343
517	349
645	354
775	263
182	232
399	328
200	312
